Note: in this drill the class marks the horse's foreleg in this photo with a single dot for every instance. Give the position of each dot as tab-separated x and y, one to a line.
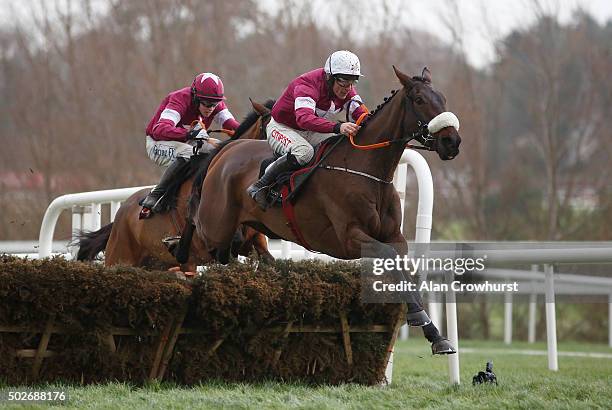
257	240
261	246
362	243
181	252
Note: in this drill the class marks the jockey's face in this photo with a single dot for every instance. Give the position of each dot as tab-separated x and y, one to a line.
342	87
207	107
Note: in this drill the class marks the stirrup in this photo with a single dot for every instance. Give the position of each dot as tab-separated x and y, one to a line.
256	193
261	198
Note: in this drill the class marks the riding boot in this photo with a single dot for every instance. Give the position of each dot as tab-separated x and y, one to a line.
152	200
259	190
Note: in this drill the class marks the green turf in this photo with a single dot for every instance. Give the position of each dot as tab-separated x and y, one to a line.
420	381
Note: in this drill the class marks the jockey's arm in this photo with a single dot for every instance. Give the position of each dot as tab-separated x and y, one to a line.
223	118
230	124
307	120
355	106
305	117
166	128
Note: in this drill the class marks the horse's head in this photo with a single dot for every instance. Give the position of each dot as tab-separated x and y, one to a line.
261	109
426	116
247	129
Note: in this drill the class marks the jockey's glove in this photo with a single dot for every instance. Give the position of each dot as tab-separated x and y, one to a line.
197	133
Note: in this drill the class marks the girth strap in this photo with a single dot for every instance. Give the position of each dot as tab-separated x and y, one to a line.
291	221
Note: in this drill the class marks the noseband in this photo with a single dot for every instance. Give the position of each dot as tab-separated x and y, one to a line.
424	132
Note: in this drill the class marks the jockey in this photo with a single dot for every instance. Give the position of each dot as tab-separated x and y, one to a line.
169	141
301	116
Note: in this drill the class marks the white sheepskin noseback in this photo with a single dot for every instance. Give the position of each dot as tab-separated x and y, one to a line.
443	120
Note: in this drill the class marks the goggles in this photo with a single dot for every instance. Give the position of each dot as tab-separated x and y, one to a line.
345	82
208	103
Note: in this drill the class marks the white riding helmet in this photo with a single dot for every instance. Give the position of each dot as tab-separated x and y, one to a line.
342	62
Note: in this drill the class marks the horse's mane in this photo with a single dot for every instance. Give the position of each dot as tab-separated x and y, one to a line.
387	99
249	120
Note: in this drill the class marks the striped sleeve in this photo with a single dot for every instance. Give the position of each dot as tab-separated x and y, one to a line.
223	118
305	115
354	105
166	128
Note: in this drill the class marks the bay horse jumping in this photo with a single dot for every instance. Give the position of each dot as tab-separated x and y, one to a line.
350	205
130	240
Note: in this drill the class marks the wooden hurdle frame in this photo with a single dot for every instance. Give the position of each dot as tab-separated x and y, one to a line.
169	335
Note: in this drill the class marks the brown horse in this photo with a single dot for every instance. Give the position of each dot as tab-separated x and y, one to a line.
130	240
338	213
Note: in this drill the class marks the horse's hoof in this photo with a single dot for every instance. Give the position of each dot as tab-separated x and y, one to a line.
442	346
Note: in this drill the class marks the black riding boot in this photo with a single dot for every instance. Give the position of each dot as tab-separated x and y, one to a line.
152	200
259	190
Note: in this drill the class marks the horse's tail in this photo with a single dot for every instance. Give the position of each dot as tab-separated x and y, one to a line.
91	243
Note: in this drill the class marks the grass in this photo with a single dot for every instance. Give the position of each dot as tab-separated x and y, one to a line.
420	381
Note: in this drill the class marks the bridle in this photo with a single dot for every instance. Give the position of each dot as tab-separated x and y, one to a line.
422	134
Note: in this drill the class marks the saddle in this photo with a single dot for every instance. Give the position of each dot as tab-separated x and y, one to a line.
289	184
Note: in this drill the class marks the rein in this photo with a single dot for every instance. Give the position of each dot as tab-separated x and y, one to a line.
422	133
201	123
224	131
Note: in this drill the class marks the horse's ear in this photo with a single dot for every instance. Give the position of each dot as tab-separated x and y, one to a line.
426	75
259	108
404	79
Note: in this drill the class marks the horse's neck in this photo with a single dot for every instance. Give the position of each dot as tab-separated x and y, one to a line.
384	126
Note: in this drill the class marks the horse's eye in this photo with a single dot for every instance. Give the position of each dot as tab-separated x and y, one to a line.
419	100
